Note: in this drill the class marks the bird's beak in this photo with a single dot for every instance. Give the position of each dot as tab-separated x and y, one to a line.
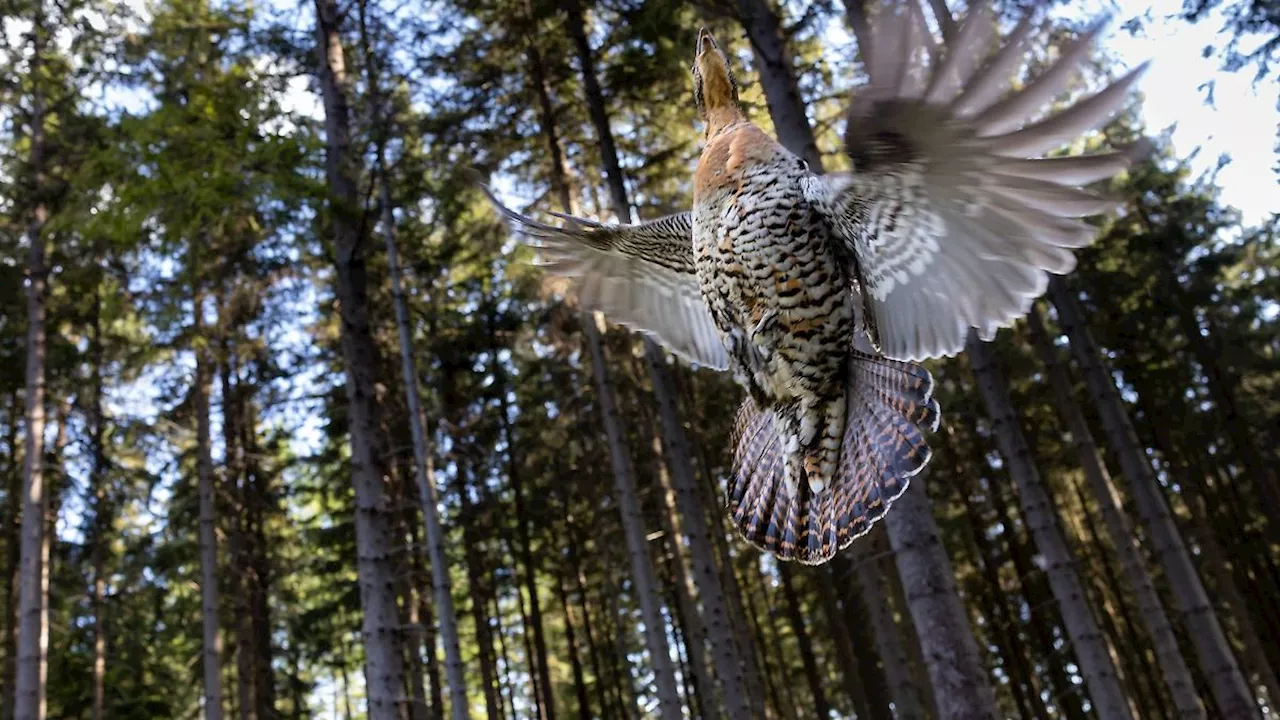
705	40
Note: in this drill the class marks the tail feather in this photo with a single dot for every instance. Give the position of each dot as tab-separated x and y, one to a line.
890	410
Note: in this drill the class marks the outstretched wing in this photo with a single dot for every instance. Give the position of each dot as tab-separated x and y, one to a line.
951	215
641	276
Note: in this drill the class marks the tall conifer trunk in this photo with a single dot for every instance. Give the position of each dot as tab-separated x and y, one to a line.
374	525
1230	691
1097	663
32	649
638	551
1174	669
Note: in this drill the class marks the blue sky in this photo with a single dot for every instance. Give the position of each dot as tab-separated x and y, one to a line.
1243	121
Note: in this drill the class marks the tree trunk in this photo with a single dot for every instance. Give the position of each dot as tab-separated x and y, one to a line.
633	528
686	592
850	672
257	501
628	501
726	654
1029	702
537	653
14	499
233	485
890	645
32	654
1173	667
212	637
795	615
375	537
778	80
956	670
855	618
478	584
1230	691
1096	662
580	587
423	463
102	511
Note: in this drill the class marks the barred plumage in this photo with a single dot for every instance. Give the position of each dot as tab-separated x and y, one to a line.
949	221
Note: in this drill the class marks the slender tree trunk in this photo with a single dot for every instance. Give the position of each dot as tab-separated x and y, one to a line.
580	587
32	654
856	621
257	505
1029	702
575	661
778	79
776	684
795	615
423	463
642	567
1253	638
907	699
375	537
212	637
686	592
1172	666
102	511
233	485
478	583
537	653
951	655
850	672
1230	691
1096	662
14	500
633	528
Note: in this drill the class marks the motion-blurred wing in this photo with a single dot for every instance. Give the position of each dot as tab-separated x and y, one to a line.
951	216
641	276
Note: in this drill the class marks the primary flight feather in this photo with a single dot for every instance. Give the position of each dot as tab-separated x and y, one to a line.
949	221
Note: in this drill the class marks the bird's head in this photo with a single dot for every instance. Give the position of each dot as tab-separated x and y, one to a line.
715	91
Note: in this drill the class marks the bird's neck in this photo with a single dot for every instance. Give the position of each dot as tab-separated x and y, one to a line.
721	117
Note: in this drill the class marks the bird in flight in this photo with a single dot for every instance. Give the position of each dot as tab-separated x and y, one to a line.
949	222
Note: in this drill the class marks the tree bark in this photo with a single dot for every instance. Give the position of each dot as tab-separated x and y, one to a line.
795	615
633	528
951	655
870	678
777	74
1096	662
686	592
14	500
102	510
850	670
1230	690
212	637
478	584
1028	700
907	699
725	652
423	462
233	485
1173	667
638	551
375	537
32	648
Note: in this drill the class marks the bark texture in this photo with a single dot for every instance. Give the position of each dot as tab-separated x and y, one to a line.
1230	691
1097	664
1173	667
374	522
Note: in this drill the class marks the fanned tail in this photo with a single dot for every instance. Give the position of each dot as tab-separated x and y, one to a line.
891	406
